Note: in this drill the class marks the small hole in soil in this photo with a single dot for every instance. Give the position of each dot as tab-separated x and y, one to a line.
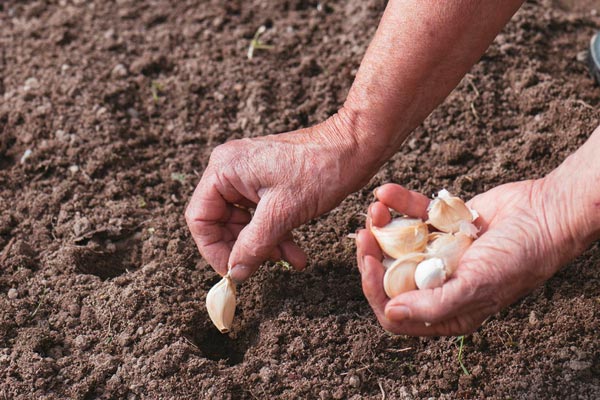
217	346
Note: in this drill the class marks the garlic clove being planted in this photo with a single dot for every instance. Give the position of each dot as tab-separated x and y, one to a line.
447	212
220	303
430	273
449	248
400	276
401	236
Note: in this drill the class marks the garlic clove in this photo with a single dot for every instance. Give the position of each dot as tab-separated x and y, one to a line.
430	273
469	229
220	303
401	236
449	248
446	212
387	262
400	276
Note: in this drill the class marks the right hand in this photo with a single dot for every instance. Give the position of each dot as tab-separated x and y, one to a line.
288	178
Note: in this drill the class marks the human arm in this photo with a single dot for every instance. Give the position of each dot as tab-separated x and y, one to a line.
530	230
420	51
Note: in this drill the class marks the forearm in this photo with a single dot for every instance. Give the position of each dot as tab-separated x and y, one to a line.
574	190
420	52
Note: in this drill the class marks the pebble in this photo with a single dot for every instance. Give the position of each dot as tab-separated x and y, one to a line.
354	381
81	226
324	395
533	318
582	56
119	71
81	342
13	293
31	83
266	374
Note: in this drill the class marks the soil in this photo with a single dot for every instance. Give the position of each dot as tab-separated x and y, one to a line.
119	104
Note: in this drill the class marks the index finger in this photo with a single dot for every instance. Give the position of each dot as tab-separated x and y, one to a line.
206	215
403	200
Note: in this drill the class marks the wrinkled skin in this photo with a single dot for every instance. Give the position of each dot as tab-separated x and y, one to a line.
518	249
288	179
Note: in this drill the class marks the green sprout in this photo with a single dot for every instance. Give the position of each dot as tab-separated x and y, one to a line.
286	266
256	44
39	304
156	88
179	177
142	202
461	339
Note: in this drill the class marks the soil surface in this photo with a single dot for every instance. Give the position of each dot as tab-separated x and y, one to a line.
108	114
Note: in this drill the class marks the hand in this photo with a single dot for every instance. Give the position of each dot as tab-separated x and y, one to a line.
288	178
522	243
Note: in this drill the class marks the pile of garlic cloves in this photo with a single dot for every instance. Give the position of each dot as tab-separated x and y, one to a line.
416	258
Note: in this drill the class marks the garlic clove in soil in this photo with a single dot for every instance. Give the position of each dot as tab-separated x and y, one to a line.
430	273
401	236
447	212
220	303
449	248
400	276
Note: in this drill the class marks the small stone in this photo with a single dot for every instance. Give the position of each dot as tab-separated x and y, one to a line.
26	155
74	169
81	342
532	318
119	71
354	381
582	56
31	83
81	226
124	339
110	34
266	374
13	293
324	395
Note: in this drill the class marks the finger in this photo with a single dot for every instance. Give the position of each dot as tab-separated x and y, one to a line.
259	238
236	215
233	231
367	245
372	285
452	327
379	214
403	200
432	305
209	207
293	254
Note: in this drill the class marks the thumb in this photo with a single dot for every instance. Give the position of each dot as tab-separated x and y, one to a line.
430	305
257	240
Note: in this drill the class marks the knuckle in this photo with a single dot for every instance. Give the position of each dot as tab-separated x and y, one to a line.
189	215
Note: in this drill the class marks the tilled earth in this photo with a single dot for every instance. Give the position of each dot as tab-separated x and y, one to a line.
108	113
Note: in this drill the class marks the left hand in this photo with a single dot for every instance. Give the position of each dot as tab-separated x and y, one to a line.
522	243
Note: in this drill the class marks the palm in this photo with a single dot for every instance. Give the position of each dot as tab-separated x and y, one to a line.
511	257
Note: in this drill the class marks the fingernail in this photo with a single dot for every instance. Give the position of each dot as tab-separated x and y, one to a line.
239	273
375	192
398	313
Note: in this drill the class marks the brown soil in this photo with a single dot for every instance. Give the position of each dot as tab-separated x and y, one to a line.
101	289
